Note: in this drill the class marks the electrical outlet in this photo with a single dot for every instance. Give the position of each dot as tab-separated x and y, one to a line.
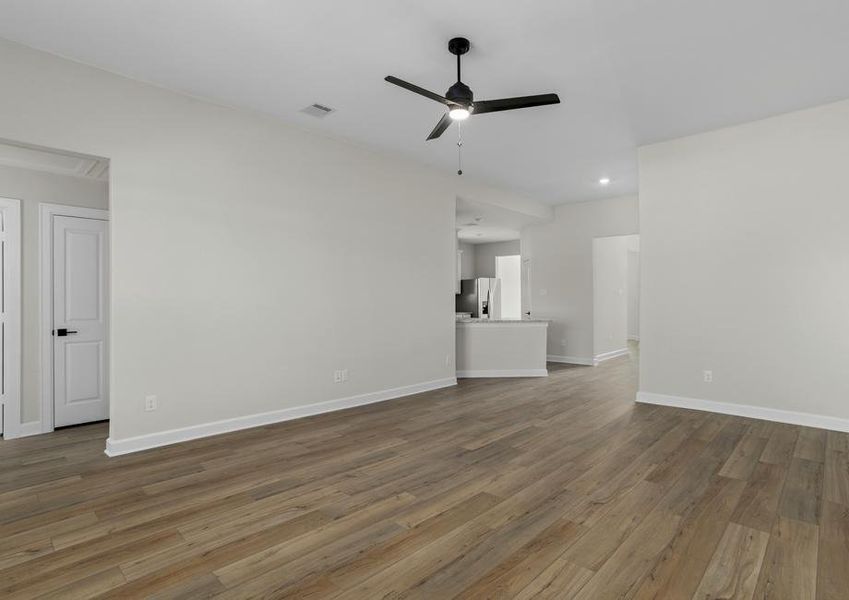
150	403
344	374
337	376
708	376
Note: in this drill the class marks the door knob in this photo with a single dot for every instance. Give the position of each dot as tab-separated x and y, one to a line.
63	332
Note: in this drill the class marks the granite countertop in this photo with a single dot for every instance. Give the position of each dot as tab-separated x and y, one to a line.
485	321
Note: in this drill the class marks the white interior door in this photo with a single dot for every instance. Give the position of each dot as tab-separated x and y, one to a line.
80	325
4	350
10	319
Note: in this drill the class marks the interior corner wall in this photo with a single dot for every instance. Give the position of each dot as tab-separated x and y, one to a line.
485	255
250	259
745	267
560	255
33	188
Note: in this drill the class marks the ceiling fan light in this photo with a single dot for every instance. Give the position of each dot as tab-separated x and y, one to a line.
459	113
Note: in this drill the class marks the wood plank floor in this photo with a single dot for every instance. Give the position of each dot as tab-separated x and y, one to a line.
536	488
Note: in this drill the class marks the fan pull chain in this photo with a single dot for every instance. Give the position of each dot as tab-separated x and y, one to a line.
459	149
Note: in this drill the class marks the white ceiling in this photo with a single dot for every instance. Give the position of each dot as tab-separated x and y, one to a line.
481	223
53	161
628	71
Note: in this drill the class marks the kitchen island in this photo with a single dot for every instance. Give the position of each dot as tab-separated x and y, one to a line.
501	347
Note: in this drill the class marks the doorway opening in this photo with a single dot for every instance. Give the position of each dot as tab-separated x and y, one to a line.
60	356
616	296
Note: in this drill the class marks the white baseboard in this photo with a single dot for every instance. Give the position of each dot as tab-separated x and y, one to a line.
745	410
22	430
571	360
184	434
608	355
503	373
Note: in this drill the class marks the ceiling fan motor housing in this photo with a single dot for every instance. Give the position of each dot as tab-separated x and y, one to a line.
460	94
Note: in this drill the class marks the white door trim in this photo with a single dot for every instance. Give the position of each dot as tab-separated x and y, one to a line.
46	212
11	272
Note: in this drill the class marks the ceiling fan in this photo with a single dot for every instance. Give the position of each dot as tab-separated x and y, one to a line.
461	101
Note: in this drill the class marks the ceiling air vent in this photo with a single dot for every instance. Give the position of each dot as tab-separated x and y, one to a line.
317	110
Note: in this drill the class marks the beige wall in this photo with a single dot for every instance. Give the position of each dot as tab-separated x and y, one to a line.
561	258
745	264
33	188
249	259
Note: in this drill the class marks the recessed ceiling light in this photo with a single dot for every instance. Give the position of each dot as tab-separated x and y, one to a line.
604	181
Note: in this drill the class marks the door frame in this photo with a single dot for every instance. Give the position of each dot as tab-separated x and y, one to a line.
11	272
46	212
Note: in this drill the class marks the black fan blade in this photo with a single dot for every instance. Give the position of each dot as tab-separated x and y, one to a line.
440	128
418	90
487	106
